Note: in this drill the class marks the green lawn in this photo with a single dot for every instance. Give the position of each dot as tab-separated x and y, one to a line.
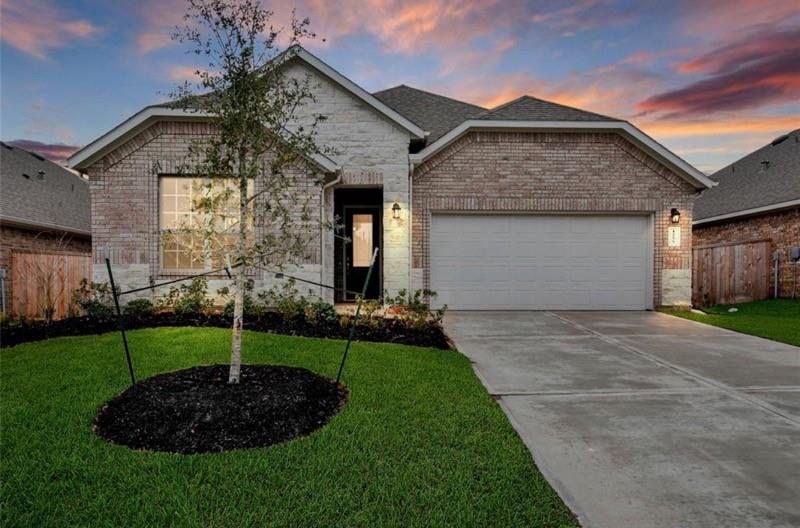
420	443
777	319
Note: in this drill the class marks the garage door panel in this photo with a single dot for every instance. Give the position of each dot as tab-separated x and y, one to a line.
539	261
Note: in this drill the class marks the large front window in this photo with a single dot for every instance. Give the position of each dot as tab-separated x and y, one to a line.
193	237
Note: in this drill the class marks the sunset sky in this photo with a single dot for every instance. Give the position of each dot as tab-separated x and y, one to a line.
712	80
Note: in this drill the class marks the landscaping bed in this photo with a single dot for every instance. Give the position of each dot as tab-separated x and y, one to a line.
195	410
371	329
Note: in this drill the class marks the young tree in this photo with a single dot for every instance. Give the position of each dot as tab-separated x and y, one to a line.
255	205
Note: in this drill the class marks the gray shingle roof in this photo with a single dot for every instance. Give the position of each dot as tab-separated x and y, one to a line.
527	108
37	191
749	183
438	114
433	113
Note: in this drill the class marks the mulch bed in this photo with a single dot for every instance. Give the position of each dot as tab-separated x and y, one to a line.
196	411
386	330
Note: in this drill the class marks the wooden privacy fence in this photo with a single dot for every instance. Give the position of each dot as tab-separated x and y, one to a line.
42	283
730	273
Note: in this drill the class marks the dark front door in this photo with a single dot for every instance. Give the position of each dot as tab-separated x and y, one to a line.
362	229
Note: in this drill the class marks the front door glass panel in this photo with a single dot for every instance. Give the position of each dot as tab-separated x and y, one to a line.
362	240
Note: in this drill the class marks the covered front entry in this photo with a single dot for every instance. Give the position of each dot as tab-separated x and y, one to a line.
541	261
358	215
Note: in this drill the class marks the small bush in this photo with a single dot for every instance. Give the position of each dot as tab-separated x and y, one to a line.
251	307
321	313
189	298
94	299
413	309
139	308
286	300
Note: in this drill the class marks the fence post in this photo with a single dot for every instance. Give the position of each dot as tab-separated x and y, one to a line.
120	321
354	322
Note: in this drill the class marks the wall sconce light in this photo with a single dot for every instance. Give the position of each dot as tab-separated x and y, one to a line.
396	210
675	216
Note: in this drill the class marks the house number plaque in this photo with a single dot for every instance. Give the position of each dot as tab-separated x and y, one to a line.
674	236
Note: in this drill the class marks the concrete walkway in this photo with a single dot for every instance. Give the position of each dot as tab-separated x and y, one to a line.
643	419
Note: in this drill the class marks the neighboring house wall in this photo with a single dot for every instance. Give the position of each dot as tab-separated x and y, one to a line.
556	172
781	228
124	187
16	239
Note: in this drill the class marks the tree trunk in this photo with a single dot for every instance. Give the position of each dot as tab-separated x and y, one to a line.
239	287
238	319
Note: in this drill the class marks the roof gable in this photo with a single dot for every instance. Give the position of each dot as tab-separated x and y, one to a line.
769	176
136	123
654	149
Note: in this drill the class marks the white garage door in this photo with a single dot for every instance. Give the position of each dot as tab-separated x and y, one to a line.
540	262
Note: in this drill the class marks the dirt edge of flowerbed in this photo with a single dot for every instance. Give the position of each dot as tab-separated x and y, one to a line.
384	331
196	410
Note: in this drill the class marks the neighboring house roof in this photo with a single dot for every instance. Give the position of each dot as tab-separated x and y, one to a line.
145	117
433	112
37	193
765	180
527	108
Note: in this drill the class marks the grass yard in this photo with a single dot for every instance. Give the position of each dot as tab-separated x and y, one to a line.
777	319
420	443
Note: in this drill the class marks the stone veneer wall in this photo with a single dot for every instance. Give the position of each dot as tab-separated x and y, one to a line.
781	228
17	239
556	172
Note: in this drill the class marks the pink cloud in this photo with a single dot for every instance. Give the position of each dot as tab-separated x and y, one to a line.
185	73
57	152
757	70
36	26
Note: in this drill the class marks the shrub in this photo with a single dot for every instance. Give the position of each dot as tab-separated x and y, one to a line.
139	308
285	300
188	298
251	307
94	299
321	313
413	308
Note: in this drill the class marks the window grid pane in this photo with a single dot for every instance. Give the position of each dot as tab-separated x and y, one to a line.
186	251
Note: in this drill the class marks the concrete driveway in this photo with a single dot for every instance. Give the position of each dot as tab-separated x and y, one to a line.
643	419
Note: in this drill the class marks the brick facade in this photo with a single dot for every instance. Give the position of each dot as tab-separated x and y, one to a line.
781	228
556	172
16	239
370	150
124	188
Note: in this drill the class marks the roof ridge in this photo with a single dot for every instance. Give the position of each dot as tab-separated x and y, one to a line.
527	96
403	85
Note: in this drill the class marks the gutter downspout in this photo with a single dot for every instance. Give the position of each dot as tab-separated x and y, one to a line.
325	187
410	226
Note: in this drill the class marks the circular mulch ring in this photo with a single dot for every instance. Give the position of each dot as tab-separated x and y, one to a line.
197	411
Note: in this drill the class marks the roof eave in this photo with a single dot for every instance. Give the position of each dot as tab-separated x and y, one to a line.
748	212
682	168
24	223
363	95
82	159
